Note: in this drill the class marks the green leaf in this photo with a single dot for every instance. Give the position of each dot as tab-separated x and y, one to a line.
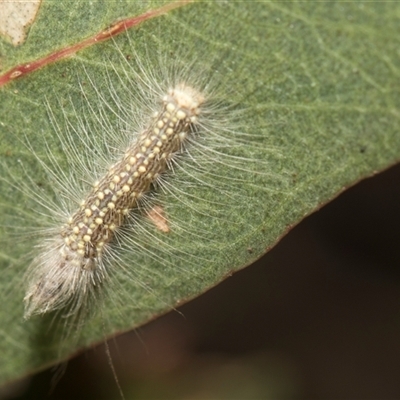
316	86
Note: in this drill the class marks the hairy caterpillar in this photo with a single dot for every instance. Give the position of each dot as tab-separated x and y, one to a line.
70	264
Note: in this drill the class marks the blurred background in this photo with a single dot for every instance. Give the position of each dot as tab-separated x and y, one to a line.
318	317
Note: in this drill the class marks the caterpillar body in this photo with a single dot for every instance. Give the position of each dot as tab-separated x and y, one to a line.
72	266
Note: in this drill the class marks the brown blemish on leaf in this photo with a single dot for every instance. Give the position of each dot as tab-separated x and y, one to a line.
15	17
157	216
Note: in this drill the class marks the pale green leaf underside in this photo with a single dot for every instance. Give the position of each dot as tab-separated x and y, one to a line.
319	82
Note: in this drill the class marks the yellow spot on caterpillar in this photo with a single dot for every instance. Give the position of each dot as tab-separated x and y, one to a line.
170	107
181	114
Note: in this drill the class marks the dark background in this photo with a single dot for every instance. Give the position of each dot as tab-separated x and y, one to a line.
318	317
